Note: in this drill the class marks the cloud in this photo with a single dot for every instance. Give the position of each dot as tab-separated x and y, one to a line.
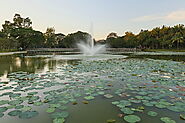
174	16
147	18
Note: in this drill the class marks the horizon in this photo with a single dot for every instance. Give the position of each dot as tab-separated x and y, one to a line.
106	16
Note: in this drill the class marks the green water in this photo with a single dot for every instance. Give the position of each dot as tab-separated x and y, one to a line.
98	110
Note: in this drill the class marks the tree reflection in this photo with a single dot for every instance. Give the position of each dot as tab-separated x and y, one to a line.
15	63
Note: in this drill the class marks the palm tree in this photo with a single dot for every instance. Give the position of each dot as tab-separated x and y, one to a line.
178	38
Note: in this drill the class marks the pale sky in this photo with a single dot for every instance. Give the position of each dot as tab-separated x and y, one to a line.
68	16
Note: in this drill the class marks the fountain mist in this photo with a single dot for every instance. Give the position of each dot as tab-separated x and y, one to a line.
89	48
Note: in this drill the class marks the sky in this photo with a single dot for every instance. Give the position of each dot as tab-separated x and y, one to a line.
98	17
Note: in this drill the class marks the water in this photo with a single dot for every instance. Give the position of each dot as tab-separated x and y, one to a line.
97	111
89	48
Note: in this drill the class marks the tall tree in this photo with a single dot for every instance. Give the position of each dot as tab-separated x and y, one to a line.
50	37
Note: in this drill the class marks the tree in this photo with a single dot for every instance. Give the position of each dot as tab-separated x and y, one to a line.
6	44
130	40
112	35
28	38
71	40
143	38
50	37
59	38
178	39
20	22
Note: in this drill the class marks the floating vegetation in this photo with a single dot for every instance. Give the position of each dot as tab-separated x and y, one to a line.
131	85
59	120
15	113
182	116
111	121
152	113
108	95
62	114
85	102
50	110
132	118
89	97
28	114
167	120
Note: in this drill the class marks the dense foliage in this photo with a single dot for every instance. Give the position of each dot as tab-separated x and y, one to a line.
19	34
163	38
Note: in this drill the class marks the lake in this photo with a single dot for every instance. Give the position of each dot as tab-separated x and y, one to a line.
143	87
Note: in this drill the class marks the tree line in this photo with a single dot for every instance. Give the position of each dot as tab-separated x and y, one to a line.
20	34
165	37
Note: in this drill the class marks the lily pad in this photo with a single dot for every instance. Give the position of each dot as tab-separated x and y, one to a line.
38	103
111	121
26	108
132	118
62	114
1	114
101	93
176	108
19	106
50	110
2	102
152	113
167	120
59	120
3	109
108	95
15	113
28	114
182	116
115	102
89	97
15	102
127	111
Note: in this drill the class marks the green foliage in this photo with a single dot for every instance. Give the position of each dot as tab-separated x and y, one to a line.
19	34
6	44
163	38
28	38
50	37
71	40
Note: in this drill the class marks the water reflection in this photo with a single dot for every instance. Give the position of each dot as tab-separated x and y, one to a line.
14	63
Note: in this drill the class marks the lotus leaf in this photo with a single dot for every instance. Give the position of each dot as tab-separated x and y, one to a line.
50	110
182	116
127	111
26	108
176	108
111	121
28	114
3	109
152	113
62	114
89	97
108	96
15	113
167	120
132	118
1	114
59	120
38	103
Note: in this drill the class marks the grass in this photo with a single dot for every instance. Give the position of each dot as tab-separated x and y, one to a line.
8	50
167	50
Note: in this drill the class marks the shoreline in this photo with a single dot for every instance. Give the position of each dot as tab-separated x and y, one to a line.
75	49
12	53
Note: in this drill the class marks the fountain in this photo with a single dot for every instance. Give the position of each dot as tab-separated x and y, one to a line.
90	51
89	48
